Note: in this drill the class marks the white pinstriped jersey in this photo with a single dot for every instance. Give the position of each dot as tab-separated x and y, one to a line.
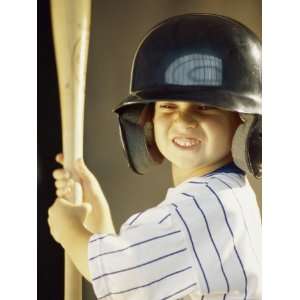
202	242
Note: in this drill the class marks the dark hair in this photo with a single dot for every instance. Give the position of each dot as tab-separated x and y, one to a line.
146	122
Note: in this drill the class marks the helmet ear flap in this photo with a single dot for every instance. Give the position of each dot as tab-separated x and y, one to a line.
146	122
137	137
255	147
246	145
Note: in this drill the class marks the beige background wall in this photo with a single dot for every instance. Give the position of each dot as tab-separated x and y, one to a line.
117	27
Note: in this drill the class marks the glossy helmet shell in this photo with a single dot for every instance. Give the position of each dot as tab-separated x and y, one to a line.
203	58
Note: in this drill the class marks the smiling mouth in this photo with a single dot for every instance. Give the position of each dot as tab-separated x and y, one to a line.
186	143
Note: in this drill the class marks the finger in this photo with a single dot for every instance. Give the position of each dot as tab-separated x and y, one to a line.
80	207
83	172
63	192
61	174
83	209
59	158
64	202
63	183
81	167
50	211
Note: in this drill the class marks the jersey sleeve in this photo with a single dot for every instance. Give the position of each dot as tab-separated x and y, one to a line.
149	259
196	243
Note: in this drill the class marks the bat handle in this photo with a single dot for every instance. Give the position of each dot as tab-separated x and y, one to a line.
77	193
73	281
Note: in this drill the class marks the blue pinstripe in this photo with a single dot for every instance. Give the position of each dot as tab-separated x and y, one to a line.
224	297
214	177
131	222
136	244
232	235
193	284
190	236
100	238
211	238
234	179
141	265
168	215
246	227
145	285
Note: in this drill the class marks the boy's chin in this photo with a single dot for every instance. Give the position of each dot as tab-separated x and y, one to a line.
190	165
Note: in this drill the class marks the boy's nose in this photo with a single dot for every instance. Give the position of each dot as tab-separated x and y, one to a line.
186	120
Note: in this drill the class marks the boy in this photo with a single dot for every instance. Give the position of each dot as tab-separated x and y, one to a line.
195	100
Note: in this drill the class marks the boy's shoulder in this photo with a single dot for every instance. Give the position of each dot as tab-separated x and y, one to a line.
225	186
216	185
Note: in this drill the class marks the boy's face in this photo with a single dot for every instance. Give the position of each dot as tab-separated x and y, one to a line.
192	135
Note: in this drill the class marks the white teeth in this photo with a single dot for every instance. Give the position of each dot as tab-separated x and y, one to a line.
186	142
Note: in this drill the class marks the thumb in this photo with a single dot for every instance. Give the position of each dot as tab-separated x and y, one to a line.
82	171
83	210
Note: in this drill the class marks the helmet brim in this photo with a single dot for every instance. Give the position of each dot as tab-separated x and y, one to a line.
210	96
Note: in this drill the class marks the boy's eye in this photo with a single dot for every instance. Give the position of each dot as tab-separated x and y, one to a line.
202	107
168	106
207	108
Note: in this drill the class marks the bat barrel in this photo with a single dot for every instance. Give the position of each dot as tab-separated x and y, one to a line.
71	31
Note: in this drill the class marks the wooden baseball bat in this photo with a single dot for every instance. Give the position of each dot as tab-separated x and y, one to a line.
70	25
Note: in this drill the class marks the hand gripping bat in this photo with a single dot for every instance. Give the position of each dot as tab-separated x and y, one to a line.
70	25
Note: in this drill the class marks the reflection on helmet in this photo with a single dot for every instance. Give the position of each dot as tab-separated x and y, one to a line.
195	69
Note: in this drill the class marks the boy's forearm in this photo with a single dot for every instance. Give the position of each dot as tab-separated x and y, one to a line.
77	244
106	224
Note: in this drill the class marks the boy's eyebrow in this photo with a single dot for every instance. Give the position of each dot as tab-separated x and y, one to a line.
166	101
193	104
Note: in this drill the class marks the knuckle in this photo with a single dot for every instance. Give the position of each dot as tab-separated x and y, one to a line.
60	183
70	182
57	173
57	183
58	157
67	190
